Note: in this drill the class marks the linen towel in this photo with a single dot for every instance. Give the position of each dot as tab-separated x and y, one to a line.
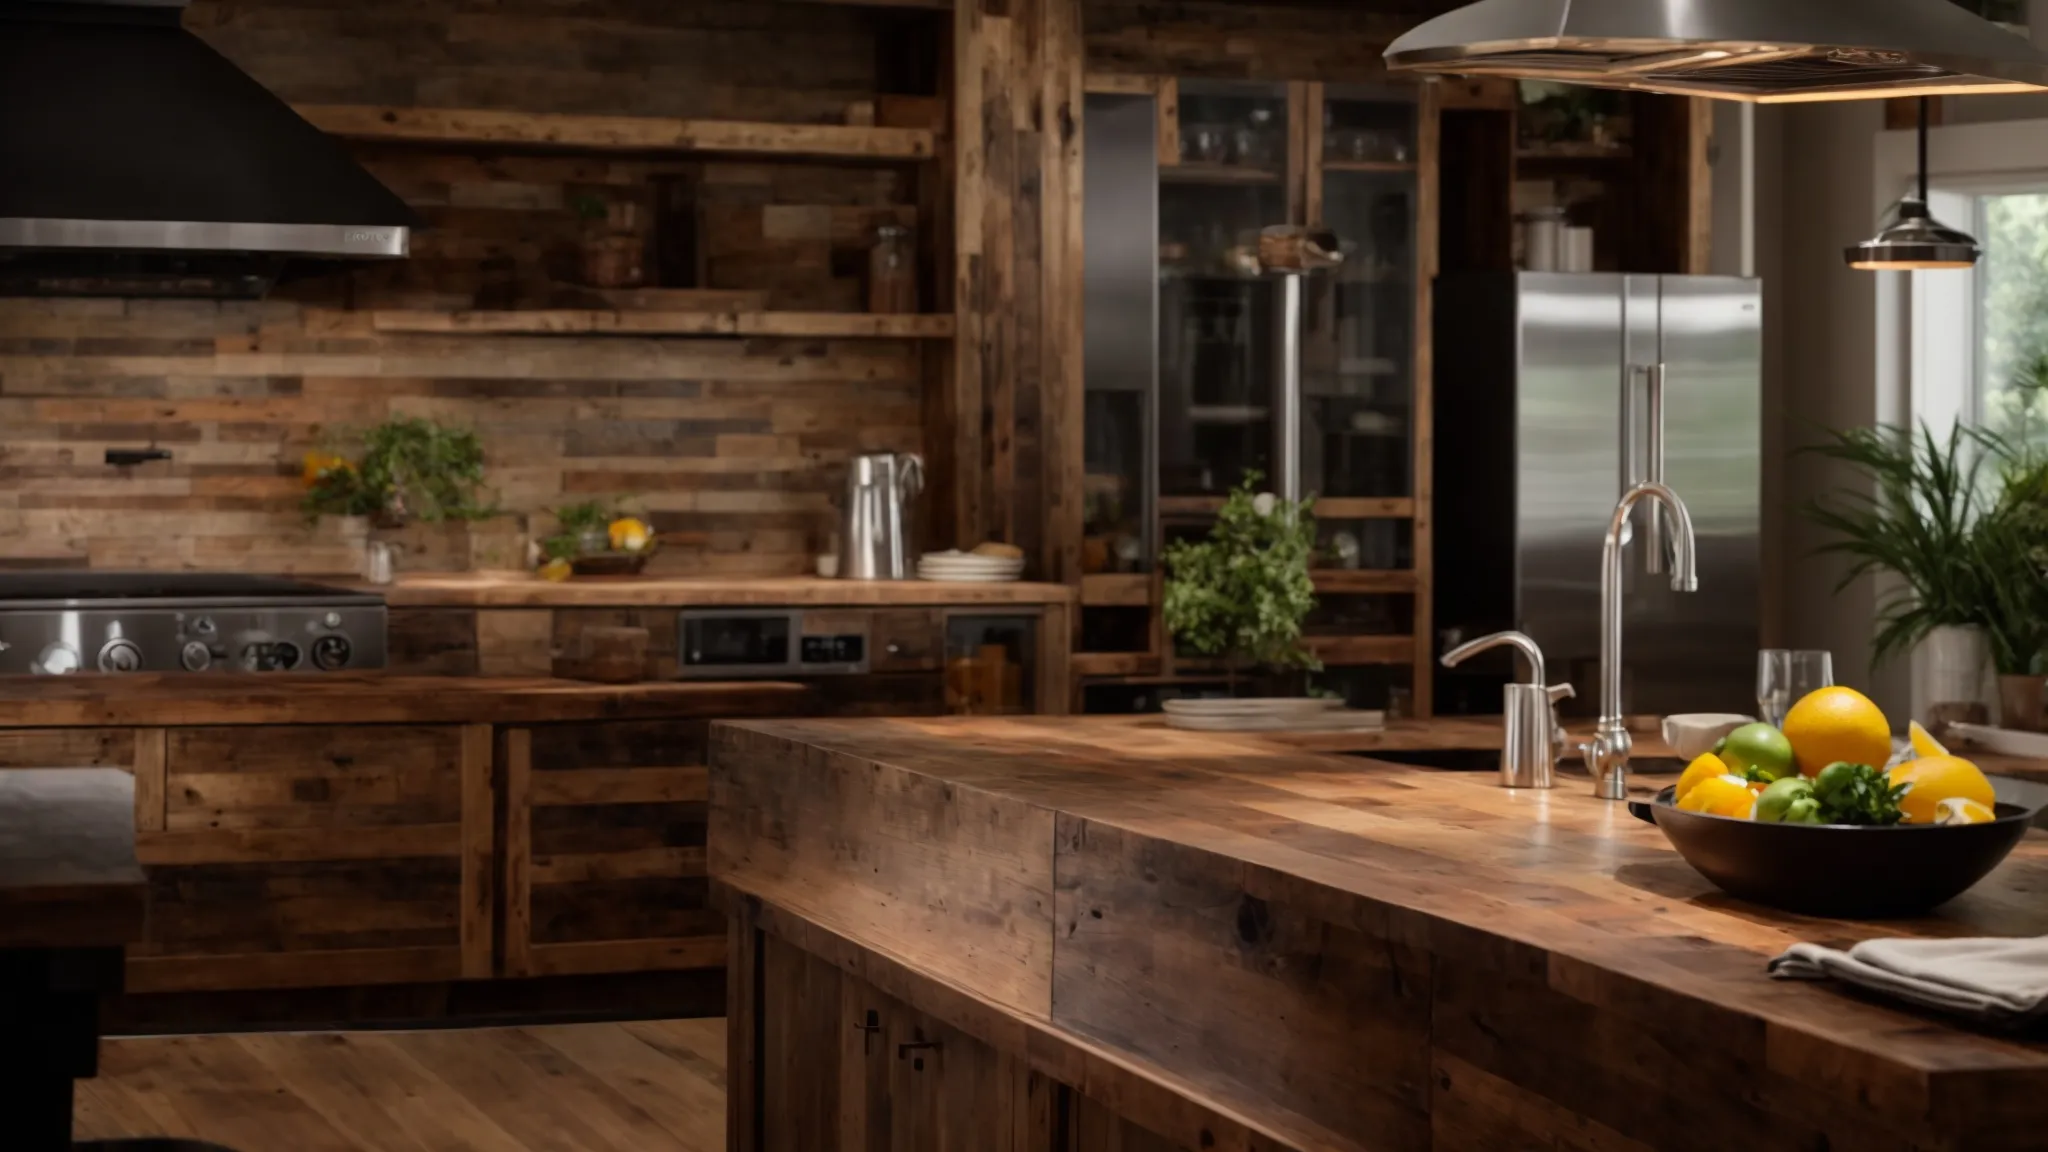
1997	981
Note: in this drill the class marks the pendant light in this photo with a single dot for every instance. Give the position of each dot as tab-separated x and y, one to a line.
1915	241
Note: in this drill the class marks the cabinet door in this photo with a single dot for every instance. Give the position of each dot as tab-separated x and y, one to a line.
310	856
908	640
605	849
847	1068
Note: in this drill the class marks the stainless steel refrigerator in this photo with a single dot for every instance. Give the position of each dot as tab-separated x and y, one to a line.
1547	393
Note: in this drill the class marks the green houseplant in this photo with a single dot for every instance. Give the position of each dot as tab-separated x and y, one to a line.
1961	521
1244	592
409	469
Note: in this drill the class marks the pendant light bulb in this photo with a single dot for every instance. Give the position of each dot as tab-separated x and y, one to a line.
1914	241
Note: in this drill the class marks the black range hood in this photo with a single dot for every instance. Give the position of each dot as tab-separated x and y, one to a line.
136	160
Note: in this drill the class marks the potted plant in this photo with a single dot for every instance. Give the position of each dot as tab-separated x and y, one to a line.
594	538
420	484
1243	593
1963	539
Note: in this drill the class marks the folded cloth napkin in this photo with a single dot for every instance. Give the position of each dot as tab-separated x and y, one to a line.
2003	982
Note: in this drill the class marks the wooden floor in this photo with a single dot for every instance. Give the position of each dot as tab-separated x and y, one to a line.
637	1087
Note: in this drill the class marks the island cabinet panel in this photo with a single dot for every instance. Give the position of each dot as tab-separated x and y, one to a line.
605	849
857	843
1191	961
849	1068
312	855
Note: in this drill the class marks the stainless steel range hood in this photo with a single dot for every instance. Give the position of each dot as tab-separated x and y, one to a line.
135	159
1766	51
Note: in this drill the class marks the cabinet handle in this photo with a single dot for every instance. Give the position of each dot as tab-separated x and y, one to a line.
917	1064
868	1030
893	649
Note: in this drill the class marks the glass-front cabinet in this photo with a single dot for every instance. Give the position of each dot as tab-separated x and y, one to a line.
1167	437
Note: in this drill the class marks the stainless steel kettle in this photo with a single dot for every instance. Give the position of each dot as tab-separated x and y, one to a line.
873	541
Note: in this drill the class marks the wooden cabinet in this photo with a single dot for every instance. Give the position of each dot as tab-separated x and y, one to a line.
604	849
312	855
844	1067
908	640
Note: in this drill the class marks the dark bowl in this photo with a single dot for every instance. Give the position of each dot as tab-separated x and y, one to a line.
1834	870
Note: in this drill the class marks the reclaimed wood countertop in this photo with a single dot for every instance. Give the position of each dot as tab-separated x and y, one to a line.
518	590
1350	953
172	700
68	876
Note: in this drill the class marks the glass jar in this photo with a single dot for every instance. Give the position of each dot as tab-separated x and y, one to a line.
892	271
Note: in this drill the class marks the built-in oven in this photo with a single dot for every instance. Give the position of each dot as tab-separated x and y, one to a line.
734	643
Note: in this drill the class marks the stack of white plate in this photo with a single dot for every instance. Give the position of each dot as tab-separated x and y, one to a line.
968	568
1268	714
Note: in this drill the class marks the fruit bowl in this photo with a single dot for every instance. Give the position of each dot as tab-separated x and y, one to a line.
1835	870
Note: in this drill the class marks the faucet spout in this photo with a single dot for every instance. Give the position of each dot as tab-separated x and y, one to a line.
1607	754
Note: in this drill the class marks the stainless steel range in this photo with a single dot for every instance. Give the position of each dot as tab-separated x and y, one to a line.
57	623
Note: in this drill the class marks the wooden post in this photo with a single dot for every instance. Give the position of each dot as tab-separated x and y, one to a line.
1428	197
1017	402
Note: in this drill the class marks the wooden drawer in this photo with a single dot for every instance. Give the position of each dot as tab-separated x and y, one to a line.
908	640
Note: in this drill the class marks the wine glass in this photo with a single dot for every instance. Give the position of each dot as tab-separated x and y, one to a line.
1785	676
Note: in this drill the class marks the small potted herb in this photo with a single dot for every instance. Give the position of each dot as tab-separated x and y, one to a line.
594	538
1244	593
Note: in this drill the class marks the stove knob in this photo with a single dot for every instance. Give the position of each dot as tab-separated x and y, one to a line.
203	625
56	660
196	657
332	619
120	656
331	653
285	655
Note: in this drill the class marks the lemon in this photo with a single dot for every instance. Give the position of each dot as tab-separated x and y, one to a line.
1721	796
1936	779
629	534
1837	725
1706	767
1956	810
556	570
1924	743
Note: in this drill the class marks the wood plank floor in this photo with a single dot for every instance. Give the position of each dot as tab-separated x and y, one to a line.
655	1086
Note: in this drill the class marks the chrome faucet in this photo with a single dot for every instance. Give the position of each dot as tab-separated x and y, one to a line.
1607	754
1530	737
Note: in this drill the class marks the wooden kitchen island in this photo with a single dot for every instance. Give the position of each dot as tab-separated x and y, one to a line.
1094	934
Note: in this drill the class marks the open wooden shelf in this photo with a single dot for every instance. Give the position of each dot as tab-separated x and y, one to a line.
1229	174
1368	166
1355	651
589	322
1118	664
1358	582
1116	590
639	134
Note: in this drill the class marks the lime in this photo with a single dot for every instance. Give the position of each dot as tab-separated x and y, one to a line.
1775	805
1758	746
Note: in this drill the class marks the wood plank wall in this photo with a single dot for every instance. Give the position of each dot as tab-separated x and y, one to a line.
736	440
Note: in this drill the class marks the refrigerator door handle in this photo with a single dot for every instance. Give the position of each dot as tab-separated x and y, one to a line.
1653	546
1631	463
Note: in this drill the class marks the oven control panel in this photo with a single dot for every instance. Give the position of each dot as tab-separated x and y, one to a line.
295	639
769	642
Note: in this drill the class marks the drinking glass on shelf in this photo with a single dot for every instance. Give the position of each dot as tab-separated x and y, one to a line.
1784	677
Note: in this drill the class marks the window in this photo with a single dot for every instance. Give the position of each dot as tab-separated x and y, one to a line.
2012	316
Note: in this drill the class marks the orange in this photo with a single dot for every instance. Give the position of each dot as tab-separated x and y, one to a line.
1706	767
1938	778
1837	724
1721	796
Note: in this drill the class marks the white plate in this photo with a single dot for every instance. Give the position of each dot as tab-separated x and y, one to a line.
937	578
1335	720
1255	706
956	566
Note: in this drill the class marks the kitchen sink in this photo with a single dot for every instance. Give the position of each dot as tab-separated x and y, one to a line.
1485	760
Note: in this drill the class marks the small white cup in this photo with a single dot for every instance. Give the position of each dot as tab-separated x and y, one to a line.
828	565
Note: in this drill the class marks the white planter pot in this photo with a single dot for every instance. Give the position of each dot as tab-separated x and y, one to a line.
1958	663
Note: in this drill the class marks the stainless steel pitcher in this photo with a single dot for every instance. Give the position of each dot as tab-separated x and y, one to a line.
874	544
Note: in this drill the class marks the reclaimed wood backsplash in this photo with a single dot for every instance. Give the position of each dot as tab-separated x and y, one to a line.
736	440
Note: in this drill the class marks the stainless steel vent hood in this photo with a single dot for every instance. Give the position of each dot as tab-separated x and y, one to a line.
138	160
1767	51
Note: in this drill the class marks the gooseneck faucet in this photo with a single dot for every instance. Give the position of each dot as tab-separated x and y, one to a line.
1607	754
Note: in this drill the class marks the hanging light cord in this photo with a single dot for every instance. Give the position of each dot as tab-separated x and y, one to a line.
1923	149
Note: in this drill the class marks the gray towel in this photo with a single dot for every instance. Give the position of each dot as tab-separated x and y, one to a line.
2003	982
